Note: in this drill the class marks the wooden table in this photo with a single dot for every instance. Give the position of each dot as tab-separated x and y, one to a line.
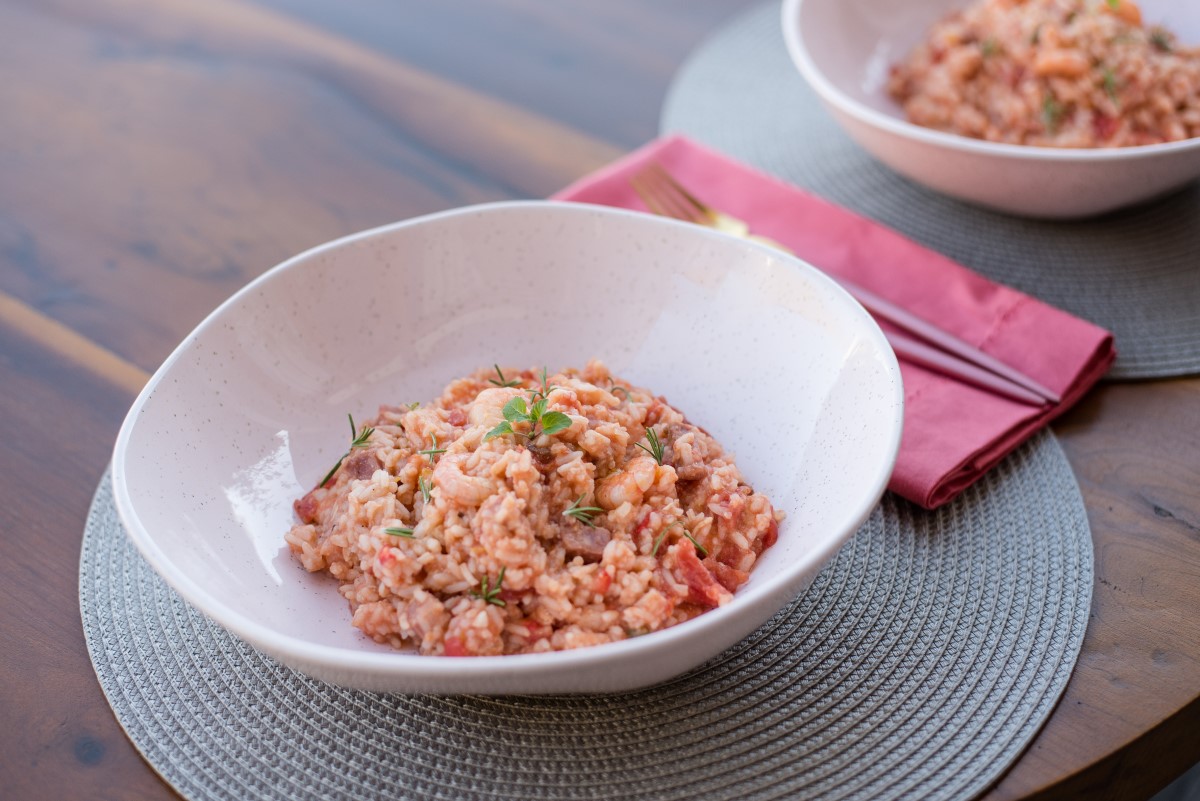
156	155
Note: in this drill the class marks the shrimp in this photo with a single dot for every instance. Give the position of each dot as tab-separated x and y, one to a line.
627	485
455	485
488	407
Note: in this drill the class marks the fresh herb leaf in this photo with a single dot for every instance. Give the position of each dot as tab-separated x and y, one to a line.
540	421
503	382
426	487
989	47
656	447
545	387
399	532
583	514
699	548
658	541
503	428
1114	4
333	470
515	411
412	407
433	450
489	593
553	422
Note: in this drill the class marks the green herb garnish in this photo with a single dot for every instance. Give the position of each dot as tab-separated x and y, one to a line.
546	388
1052	114
399	532
489	593
656	447
615	389
657	542
540	421
433	450
583	514
426	487
1161	39
1110	84
990	47
412	407
1114	4
1037	34
357	440
503	382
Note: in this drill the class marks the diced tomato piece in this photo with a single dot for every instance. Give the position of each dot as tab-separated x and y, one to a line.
729	577
602	582
772	535
456	417
537	631
731	555
453	646
703	589
1104	126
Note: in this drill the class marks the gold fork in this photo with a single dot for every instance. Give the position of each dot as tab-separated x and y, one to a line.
666	197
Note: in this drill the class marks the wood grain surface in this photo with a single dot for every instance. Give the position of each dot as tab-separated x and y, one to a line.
155	155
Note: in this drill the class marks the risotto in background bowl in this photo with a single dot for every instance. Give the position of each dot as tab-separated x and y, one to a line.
1086	111
774	402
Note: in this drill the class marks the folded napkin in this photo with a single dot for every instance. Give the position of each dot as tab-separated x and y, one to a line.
953	432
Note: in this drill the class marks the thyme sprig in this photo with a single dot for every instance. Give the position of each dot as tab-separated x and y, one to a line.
503	382
583	514
399	532
433	450
656	447
1052	114
489	593
426	487
357	440
659	540
540	421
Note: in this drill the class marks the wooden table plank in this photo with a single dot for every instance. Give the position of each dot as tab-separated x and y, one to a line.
59	738
1127	724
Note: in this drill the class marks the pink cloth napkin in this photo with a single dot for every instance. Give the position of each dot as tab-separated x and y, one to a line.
953	432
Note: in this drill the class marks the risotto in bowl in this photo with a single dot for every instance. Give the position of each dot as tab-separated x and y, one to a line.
588	449
1043	108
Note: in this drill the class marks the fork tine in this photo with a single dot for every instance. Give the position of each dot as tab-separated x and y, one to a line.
678	188
662	196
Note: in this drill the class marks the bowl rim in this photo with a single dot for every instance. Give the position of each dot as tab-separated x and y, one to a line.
334	659
830	93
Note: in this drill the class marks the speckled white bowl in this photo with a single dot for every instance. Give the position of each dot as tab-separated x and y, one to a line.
250	410
844	49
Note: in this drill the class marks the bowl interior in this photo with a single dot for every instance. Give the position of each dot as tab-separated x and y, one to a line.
250	411
854	43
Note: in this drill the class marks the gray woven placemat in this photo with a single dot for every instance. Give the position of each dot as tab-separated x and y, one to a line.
1135	272
919	665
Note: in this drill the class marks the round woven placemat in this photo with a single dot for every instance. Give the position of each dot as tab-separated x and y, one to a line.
919	664
1134	272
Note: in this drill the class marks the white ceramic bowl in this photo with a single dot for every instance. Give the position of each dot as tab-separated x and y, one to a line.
844	49
250	410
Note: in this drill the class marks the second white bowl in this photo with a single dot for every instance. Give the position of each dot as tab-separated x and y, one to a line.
845	49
